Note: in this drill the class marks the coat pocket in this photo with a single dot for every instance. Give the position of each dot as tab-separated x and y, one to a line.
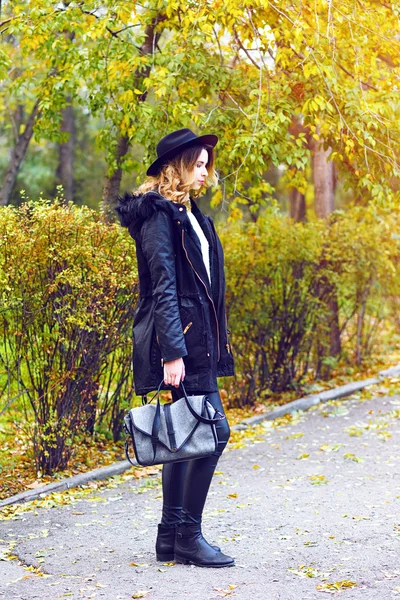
194	328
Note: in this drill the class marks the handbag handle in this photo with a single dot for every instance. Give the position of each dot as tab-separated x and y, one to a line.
190	407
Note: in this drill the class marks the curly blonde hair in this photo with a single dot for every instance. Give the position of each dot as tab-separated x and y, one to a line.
176	177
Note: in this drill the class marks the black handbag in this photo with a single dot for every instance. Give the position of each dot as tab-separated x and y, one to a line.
181	430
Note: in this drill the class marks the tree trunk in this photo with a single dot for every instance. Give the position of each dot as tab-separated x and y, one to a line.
324	180
17	156
112	182
297	204
65	168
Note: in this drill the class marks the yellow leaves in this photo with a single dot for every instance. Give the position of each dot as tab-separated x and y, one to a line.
32	42
328	448
302	456
96	30
141	594
128	96
378	425
318	479
239	439
36	571
289	419
310	69
9	557
354	431
232	495
171	8
353	457
294	436
337	586
309	572
314	104
384	435
161	91
123	13
118	69
221	593
146	471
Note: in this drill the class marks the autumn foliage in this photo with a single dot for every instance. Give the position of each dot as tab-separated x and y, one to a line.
271	79
279	301
68	290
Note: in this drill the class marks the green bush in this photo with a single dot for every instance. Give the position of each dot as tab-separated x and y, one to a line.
68	290
68	286
291	286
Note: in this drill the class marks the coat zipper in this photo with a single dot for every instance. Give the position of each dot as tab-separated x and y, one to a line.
205	287
227	345
187	327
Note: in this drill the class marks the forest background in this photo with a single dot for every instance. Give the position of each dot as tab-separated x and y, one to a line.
304	98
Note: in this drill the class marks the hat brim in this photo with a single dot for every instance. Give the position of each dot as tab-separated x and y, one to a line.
208	140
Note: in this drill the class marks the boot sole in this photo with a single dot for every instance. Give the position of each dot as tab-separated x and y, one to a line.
165	557
187	561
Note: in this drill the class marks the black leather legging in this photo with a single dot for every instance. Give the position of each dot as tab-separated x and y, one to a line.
185	484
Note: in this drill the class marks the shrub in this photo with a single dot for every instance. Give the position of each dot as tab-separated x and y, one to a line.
68	290
282	278
68	284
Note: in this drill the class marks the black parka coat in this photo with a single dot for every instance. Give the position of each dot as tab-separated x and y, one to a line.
179	314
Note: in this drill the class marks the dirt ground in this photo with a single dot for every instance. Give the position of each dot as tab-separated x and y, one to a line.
307	506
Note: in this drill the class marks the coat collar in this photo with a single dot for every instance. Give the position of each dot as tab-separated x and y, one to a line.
134	209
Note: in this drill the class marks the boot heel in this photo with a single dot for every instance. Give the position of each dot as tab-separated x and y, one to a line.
165	557
181	560
196	550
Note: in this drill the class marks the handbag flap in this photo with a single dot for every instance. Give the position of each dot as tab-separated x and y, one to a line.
183	421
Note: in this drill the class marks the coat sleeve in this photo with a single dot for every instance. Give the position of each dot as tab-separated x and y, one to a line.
158	249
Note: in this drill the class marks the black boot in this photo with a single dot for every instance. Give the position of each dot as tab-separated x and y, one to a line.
192	548
165	543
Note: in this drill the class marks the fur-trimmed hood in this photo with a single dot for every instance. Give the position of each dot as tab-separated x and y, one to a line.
133	209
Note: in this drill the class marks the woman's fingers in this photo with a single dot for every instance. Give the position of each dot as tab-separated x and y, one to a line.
174	371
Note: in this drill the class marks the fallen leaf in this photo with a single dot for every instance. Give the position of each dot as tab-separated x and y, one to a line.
337	586
318	479
353	457
141	594
328	448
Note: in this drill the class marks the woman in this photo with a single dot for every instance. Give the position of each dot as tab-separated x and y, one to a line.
180	327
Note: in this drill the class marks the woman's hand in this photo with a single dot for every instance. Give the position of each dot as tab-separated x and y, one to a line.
174	372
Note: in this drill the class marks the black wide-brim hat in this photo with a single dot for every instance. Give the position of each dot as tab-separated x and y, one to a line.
173	143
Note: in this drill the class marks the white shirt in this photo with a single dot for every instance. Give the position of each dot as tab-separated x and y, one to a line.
203	242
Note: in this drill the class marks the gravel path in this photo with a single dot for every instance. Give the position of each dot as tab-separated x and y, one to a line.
307	506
